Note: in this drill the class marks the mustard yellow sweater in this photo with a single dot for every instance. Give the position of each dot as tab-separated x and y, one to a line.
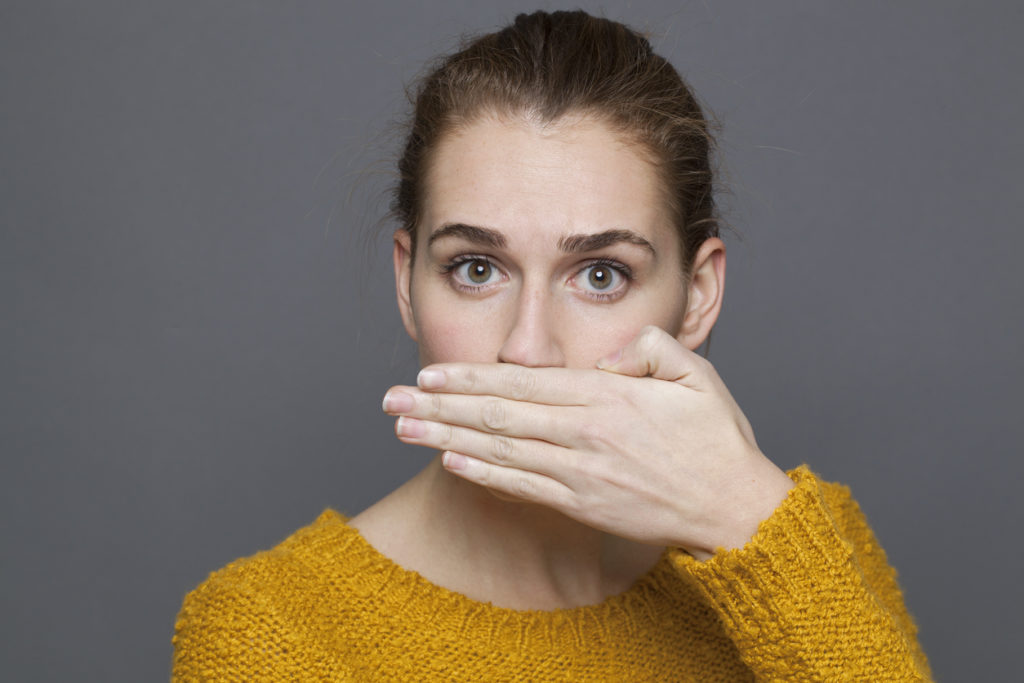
810	598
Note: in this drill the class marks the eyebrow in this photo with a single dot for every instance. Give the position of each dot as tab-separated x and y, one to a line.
570	243
600	240
470	233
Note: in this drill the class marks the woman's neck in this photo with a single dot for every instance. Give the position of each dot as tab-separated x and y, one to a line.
516	555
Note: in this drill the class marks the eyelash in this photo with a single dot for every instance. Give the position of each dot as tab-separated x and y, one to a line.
620	268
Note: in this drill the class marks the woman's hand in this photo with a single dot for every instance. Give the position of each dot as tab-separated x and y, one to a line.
650	447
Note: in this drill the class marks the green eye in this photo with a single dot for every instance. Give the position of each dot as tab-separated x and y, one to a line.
478	271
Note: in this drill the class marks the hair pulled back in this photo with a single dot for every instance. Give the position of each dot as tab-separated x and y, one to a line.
547	65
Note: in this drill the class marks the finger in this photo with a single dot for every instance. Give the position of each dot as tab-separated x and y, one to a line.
521	484
498	449
655	353
484	413
550	386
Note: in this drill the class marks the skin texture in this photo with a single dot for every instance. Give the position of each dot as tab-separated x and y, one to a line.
556	328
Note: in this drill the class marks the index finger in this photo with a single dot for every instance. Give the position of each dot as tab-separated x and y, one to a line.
550	386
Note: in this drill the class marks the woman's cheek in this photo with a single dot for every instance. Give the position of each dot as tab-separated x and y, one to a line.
600	336
586	358
450	341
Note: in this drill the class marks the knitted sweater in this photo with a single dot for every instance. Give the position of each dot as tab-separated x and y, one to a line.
810	598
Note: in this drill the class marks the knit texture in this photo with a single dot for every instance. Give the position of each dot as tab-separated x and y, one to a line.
810	598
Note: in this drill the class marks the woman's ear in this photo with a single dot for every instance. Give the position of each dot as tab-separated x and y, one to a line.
704	295
402	256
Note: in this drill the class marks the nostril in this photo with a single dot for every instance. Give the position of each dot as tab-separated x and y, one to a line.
531	341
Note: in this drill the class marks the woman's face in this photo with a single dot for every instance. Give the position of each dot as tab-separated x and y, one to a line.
538	245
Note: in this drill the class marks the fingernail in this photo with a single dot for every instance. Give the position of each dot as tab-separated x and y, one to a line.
430	378
410	427
453	461
398	402
608	361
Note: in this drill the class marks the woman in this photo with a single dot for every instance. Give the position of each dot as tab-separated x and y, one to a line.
599	508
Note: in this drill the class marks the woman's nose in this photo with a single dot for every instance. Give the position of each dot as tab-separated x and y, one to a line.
532	339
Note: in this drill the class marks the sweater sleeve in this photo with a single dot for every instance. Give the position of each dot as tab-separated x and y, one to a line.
812	596
228	630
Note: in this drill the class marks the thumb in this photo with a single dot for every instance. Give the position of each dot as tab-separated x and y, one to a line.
653	353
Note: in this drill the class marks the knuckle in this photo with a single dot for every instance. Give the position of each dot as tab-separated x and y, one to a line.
520	383
523	488
572	506
650	338
470	378
502	449
482	476
494	415
435	405
575	468
625	397
593	433
447	435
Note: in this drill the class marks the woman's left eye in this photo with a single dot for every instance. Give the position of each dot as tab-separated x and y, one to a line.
602	279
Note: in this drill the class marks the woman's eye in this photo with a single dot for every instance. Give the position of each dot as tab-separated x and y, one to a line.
601	279
473	272
478	272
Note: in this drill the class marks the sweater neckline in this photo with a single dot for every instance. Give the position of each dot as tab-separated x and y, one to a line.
393	582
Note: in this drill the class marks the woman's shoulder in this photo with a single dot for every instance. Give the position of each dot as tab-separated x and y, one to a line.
254	614
298	562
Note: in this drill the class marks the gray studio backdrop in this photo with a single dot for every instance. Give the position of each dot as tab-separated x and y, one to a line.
197	334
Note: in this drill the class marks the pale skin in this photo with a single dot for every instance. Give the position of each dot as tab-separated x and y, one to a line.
579	432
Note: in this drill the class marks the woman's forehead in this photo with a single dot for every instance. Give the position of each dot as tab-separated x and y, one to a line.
547	181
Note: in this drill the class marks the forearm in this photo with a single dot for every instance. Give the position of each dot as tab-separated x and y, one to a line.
800	605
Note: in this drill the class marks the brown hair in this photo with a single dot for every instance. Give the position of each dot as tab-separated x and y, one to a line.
546	65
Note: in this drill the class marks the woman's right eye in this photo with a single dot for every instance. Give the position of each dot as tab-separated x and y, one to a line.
472	273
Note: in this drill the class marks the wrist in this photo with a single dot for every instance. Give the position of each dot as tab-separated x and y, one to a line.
743	512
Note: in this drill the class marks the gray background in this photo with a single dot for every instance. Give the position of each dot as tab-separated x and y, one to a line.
197	332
